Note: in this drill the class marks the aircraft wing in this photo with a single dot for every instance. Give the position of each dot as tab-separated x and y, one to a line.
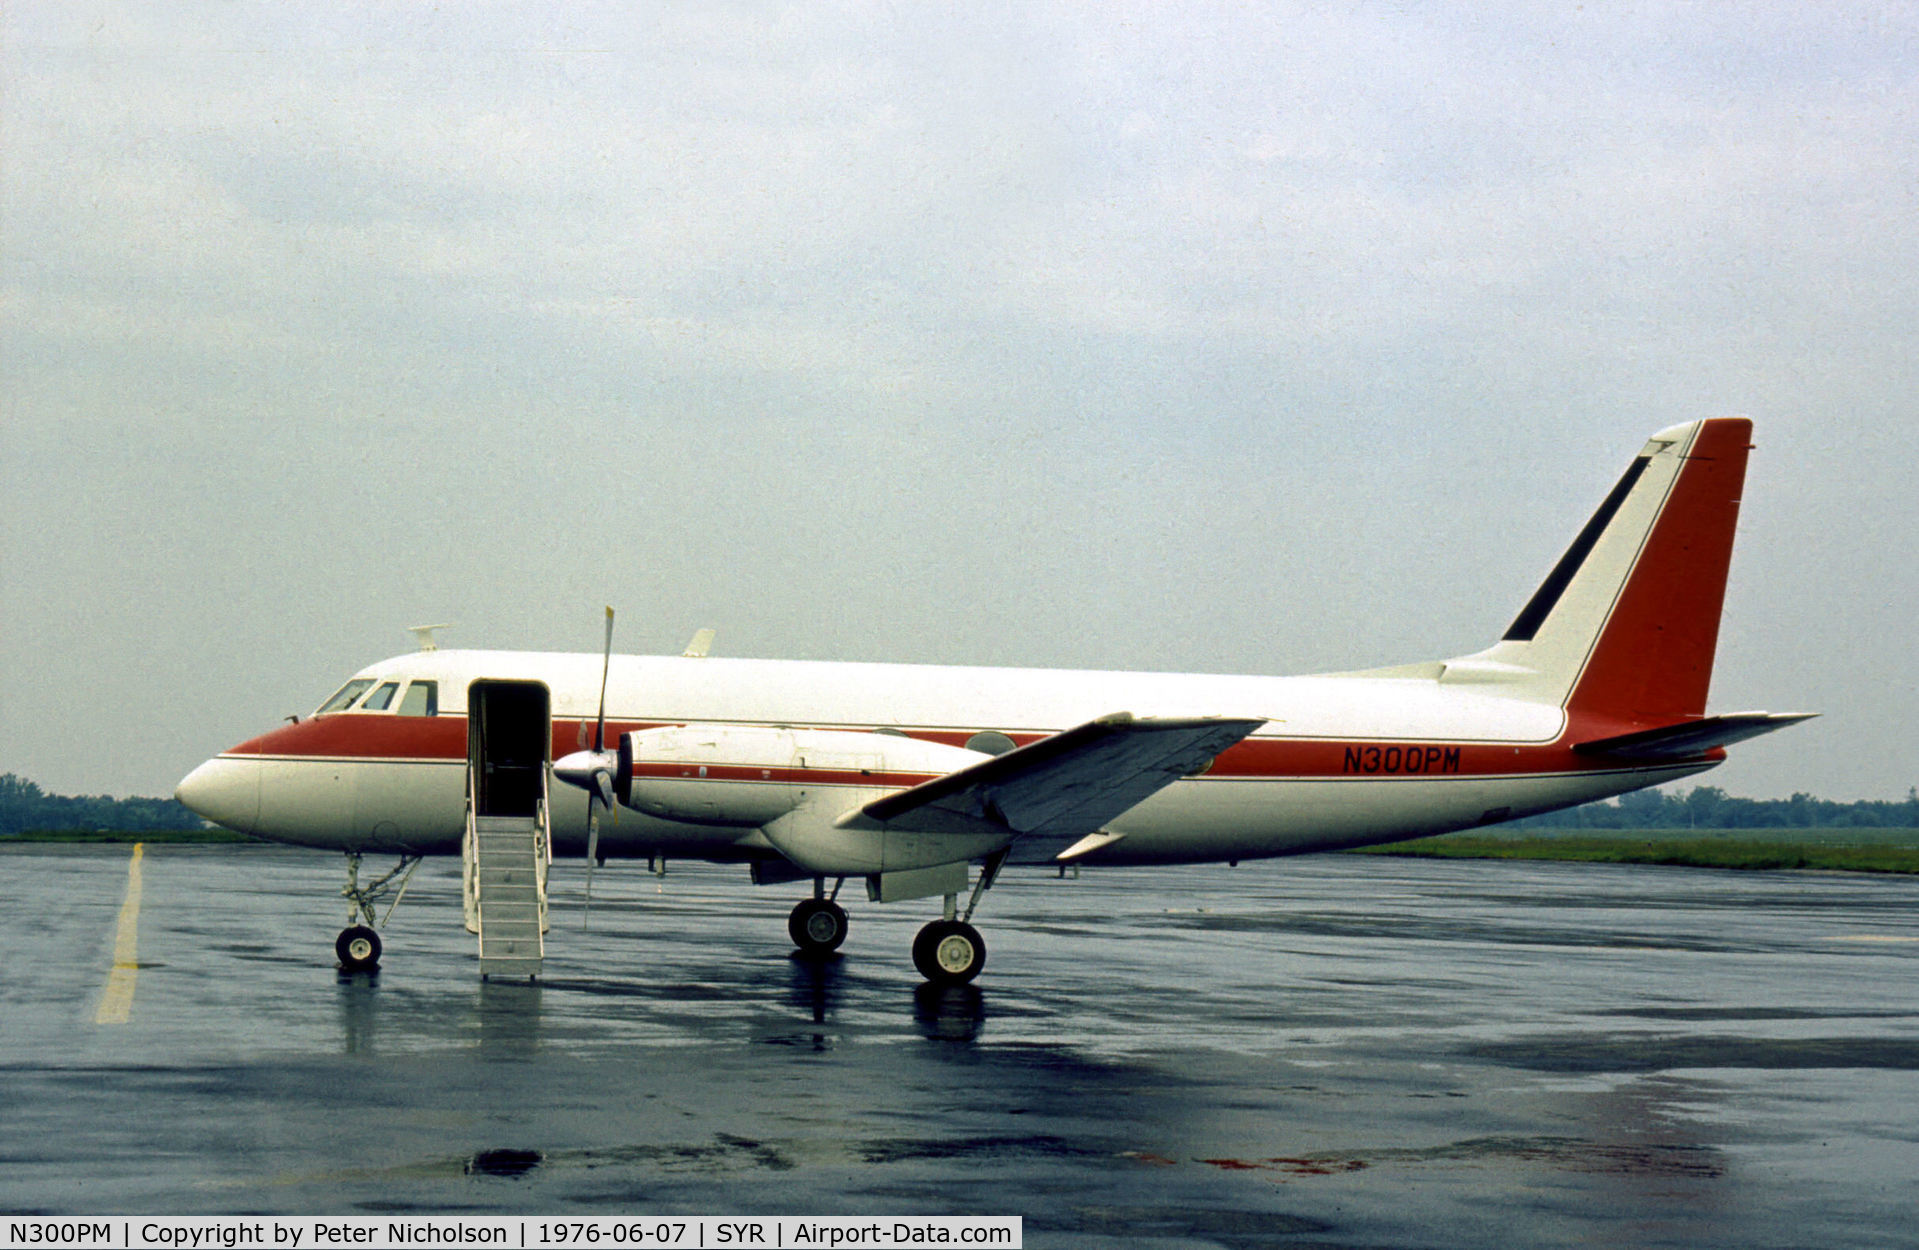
1064	786
1691	738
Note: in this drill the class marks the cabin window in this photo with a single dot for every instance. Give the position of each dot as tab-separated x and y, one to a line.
380	699
422	699
345	695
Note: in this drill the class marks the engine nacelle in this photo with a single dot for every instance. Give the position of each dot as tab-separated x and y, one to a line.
749	776
812	837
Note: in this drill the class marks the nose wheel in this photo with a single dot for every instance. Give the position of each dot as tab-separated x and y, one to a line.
358	948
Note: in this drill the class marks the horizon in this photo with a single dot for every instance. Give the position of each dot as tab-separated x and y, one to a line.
1169	338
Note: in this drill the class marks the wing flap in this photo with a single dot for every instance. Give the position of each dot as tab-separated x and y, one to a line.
1691	738
1066	785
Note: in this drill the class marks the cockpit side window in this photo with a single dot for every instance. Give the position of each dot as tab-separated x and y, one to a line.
345	695
422	699
379	700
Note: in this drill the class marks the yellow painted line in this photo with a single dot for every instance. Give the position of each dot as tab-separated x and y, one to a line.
116	1004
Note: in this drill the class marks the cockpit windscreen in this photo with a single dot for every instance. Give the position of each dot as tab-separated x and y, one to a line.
345	695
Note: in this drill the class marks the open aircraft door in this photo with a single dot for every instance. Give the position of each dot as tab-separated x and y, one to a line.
508	845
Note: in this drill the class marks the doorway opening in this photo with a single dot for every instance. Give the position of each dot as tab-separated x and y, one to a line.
509	737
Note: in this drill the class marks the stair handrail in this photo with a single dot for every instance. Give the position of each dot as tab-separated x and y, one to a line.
470	862
543	851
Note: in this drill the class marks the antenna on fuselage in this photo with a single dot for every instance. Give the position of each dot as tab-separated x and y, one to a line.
425	634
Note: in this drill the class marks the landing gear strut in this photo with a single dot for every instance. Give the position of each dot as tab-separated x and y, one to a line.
818	924
358	945
950	951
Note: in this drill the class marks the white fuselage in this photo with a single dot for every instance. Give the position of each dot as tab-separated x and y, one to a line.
1343	760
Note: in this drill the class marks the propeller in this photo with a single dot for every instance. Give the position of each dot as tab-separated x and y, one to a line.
591	769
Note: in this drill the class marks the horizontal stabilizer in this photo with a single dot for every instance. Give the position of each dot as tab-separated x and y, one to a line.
1691	738
1065	786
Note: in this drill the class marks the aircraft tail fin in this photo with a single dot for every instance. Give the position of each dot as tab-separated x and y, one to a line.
1626	623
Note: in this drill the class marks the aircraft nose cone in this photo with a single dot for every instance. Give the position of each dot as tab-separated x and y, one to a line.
225	791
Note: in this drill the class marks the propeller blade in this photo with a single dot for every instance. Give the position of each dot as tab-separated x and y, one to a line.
606	663
592	854
592	771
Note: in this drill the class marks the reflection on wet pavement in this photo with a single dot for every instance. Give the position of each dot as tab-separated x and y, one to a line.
504	1162
1334	1050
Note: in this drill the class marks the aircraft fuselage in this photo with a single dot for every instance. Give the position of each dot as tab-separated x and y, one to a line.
908	775
1342	761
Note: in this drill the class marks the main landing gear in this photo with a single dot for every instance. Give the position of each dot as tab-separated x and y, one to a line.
818	924
950	951
358	945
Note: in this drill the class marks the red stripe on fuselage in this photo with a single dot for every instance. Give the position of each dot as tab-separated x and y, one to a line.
643	771
377	738
353	735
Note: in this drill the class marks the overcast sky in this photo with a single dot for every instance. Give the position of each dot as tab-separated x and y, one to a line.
1242	338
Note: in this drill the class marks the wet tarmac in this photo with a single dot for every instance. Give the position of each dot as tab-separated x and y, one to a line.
1336	1051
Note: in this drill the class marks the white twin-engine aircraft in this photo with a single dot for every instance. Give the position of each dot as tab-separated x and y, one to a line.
908	776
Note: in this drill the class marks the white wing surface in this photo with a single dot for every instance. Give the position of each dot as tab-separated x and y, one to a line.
1064	786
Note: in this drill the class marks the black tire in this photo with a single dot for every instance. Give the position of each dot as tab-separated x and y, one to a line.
817	926
949	952
358	948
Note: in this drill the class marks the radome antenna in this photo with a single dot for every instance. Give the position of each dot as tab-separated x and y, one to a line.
425	634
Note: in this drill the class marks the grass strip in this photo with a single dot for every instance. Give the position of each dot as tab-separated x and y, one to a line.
158	837
1746	853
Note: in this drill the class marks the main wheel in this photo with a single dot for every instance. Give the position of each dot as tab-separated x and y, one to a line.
358	949
817	926
949	952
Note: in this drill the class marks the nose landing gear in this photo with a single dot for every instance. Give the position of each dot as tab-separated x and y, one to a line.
358	948
358	945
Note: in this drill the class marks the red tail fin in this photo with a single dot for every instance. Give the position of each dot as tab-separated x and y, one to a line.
1652	660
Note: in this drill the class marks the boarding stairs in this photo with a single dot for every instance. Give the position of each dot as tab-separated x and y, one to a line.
505	860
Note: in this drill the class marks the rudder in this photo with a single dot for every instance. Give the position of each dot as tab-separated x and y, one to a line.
1626	625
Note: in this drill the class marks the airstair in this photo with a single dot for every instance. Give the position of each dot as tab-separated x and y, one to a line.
506	859
508	844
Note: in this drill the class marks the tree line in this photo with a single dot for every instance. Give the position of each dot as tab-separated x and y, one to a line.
26	808
1709	807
